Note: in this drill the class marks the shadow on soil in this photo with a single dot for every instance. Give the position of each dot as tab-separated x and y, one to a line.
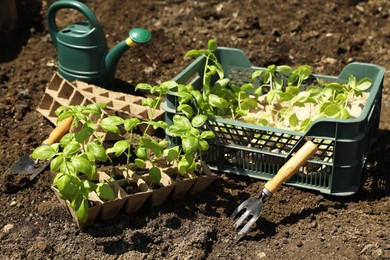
29	21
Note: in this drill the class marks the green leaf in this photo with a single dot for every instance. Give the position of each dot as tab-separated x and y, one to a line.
344	114
190	144
292	79
263	121
352	81
335	86
194	53
341	98
183	165
278	83
97	150
203	145
287	70
241	112
364	84
168	85
358	92
140	163
56	163
82	165
185	97
267	76
110	124
61	109
194	131
182	121
218	102
80	206
305	124
271	68
71	148
222	82
294	90
155	175
68	168
332	110
105	191
207	135
84	133
197	95
172	154
141	152
199	120
158	124
177	130
302	96
186	110
256	74
43	152
248	104
143	86
119	147
68	186
270	96
212	45
247	87
163	143
293	120
95	109
304	72
130	123
152	145
89	185
150	102
258	92
67	138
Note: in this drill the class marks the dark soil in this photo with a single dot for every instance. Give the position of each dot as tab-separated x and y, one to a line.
295	224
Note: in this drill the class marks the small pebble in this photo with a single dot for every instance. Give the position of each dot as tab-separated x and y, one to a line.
13	203
377	253
7	228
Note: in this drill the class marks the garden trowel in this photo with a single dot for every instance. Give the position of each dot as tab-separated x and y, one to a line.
30	167
250	209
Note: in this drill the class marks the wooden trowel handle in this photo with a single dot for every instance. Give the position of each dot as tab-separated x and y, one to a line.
291	166
62	128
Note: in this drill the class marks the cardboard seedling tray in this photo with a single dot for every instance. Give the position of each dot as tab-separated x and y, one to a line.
60	92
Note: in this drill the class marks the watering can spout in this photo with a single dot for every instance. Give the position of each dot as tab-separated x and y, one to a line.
136	36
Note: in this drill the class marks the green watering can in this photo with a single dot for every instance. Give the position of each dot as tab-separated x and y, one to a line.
82	47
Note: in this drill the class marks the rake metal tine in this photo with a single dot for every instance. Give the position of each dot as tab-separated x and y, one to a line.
234	214
242	219
248	225
239	208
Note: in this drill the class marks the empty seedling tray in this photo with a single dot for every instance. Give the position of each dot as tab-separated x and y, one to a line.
258	152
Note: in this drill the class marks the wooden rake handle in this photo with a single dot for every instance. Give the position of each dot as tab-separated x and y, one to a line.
62	128
291	166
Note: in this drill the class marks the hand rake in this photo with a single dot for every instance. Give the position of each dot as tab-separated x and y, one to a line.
253	205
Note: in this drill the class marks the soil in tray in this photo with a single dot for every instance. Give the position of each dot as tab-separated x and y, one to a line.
131	188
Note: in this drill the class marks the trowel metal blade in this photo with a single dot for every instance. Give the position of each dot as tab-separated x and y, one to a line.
26	165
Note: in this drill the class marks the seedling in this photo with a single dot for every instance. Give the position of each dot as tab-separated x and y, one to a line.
278	96
74	158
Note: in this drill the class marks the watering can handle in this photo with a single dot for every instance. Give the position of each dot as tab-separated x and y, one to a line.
56	6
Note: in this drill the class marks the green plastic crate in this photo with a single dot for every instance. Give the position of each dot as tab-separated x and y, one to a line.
258	152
